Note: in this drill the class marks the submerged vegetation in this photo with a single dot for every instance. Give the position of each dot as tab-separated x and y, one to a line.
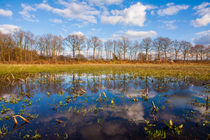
84	105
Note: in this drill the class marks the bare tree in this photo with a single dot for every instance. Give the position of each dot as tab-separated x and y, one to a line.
131	51
193	53
108	46
147	46
40	43
75	42
6	46
165	46
114	48
56	47
80	43
119	50
48	45
125	46
10	47
96	42
29	42
25	47
158	47
19	38
136	49
200	50
30	45
88	46
207	52
99	51
70	42
185	47
3	40
176	47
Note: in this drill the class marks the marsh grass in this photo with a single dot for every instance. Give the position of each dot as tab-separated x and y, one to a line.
198	71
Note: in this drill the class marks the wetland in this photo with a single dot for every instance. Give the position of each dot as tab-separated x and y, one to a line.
108	103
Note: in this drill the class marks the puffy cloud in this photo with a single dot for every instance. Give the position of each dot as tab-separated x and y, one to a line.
140	34
103	2
170	4
203	8
203	11
136	34
151	7
44	6
78	33
79	11
203	38
203	33
172	9
5	12
203	21
56	20
134	15
9	29
26	13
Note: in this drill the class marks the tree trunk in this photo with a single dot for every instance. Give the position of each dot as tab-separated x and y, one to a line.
9	55
87	54
94	49
124	53
73	52
146	54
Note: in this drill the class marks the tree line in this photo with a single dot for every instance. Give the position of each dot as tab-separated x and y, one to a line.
25	47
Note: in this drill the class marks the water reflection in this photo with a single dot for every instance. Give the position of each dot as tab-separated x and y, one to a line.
116	83
74	99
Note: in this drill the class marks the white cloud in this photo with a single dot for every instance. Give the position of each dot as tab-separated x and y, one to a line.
169	24
78	33
103	2
203	38
109	2
203	21
7	13
26	13
9	29
134	15
131	34
170	4
203	33
79	11
151	7
56	20
44	6
152	13
172	9
203	11
140	34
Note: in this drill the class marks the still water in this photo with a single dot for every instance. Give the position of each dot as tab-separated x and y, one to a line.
112	106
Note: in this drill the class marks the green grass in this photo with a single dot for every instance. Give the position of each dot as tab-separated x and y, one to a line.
197	71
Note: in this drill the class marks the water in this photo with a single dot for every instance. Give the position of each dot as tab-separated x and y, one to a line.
74	106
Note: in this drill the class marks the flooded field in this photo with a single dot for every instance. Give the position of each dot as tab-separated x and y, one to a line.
103	106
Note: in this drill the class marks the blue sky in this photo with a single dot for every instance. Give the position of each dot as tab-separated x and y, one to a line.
108	19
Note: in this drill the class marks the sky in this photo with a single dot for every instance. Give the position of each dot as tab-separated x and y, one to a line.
110	19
